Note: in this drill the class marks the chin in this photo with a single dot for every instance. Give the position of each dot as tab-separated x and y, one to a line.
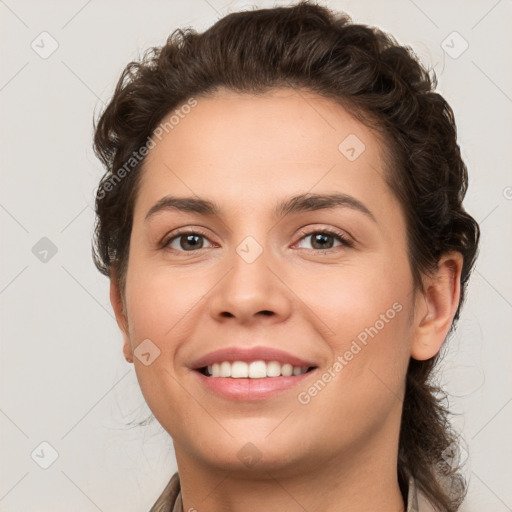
256	451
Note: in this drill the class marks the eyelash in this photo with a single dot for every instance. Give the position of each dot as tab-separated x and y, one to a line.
341	237
303	234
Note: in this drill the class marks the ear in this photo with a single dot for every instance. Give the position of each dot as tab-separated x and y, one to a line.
121	317
436	306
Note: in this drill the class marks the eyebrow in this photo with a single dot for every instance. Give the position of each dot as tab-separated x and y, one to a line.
296	204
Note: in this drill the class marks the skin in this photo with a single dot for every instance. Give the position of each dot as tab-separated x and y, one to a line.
246	153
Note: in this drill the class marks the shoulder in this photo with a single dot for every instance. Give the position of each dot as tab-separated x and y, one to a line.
416	500
170	499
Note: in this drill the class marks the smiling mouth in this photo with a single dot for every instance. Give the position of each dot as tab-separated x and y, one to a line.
253	370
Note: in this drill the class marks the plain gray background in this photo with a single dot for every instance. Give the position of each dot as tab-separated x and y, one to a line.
64	380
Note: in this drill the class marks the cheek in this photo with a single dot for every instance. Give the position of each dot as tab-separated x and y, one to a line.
367	314
370	354
159	300
160	303
349	299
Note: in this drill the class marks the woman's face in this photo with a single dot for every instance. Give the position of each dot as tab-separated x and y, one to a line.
254	275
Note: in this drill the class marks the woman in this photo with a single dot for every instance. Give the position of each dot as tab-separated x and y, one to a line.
282	223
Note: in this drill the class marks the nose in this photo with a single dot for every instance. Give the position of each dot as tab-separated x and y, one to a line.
252	292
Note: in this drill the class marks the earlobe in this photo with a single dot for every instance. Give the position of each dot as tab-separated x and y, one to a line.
127	350
436	307
121	316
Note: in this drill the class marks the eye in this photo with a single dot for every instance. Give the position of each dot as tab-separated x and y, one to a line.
186	241
323	240
193	240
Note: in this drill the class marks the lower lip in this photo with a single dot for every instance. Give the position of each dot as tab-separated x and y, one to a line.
251	389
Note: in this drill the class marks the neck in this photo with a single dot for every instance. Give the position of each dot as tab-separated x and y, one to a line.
331	484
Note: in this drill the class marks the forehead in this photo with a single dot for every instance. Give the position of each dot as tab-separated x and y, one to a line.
249	150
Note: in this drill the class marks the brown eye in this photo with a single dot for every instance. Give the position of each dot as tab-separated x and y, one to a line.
322	241
189	241
325	240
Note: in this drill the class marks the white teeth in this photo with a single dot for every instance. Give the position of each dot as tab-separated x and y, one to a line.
254	370
239	370
273	369
225	369
257	370
287	370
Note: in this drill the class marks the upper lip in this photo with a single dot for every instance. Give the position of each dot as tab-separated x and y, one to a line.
258	353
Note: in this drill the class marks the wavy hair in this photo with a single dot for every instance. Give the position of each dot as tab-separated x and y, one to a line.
384	85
